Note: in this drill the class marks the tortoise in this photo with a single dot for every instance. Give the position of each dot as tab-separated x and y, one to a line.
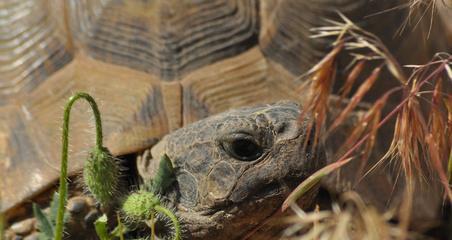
235	168
155	66
228	166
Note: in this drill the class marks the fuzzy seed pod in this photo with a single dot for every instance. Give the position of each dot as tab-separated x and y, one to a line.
101	175
139	206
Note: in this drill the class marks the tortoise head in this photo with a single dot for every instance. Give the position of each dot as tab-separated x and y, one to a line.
235	169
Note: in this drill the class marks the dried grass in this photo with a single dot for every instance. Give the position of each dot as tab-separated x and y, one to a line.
351	219
322	80
413	134
414	131
418	9
421	144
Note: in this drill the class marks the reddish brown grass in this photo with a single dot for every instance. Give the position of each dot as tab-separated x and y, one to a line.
422	139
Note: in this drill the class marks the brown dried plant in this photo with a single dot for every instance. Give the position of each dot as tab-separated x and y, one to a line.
351	219
321	80
418	10
422	145
421	141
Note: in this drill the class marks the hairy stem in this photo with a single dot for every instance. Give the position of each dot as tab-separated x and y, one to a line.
173	218
152	224
2	226
64	153
121	231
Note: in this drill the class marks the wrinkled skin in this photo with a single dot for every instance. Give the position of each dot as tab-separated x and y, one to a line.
235	169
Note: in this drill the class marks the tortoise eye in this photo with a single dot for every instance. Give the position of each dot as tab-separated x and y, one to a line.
242	147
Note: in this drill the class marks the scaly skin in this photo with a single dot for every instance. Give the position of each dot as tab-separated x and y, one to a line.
221	195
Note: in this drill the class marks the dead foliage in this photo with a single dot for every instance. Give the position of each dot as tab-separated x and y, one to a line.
350	219
421	145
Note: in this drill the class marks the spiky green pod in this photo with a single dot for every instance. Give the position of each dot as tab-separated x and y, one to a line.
101	175
140	206
143	205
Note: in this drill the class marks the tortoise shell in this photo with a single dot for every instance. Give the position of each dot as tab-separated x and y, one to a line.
154	66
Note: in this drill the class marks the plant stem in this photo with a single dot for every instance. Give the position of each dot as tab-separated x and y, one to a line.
449	168
173	218
2	226
64	153
121	233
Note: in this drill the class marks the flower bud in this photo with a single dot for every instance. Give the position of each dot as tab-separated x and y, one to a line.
139	206
101	175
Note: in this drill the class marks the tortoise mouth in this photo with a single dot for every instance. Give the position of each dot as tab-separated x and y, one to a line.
267	191
238	219
271	189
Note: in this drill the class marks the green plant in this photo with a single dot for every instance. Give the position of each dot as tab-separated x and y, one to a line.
47	222
101	227
164	177
143	205
101	176
2	226
99	152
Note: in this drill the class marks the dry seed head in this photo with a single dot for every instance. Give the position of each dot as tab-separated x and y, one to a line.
351	78
321	79
356	38
357	97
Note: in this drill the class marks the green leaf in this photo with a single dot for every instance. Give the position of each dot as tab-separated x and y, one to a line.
119	230
164	177
54	208
102	228
44	225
